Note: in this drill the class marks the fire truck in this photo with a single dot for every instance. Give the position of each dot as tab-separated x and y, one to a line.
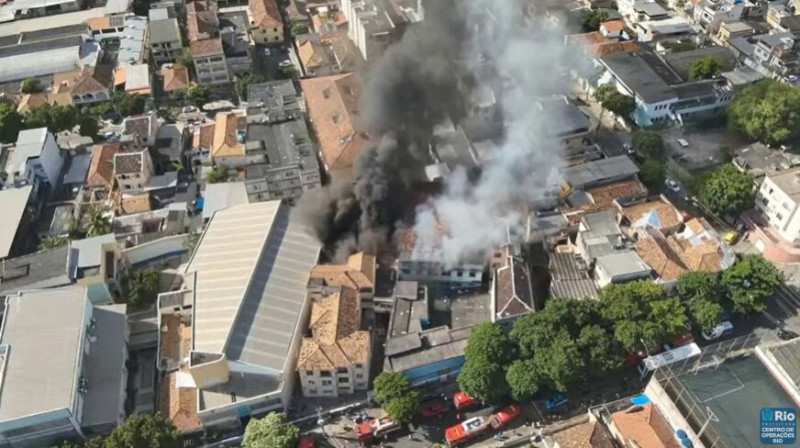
375	429
464	401
504	416
464	431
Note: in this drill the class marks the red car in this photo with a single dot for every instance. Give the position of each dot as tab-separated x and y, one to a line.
434	409
463	401
502	418
306	442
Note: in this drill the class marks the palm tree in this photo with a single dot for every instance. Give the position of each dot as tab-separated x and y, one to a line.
97	223
52	242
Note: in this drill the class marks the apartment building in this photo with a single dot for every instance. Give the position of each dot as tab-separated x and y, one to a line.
132	170
335	360
208	57
778	199
36	160
266	24
165	40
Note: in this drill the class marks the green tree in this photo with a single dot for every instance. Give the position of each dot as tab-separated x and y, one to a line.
10	123
649	144
218	174
701	292
768	111
705	68
642	314
652	174
390	385
592	20
483	380
30	85
523	379
126	104
90	126
186	59
198	94
612	100
728	190
54	118
144	431
52	242
562	364
404	409
272	431
750	282
488	341
289	72
299	28
96	223
140	289
600	351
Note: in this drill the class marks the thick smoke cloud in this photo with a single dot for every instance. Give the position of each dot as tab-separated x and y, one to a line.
413	88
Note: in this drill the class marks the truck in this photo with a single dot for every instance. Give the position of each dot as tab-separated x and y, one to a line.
463	401
504	417
374	429
467	430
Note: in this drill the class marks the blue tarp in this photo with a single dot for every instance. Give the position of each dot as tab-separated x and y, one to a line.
640	400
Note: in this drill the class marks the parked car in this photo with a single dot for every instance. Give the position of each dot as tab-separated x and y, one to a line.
504	416
462	401
189	110
672	185
306	442
284	64
555	402
731	238
787	335
267	52
629	149
723	329
434	409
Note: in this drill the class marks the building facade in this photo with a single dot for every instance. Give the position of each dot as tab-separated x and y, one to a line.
37	160
165	40
778	199
133	170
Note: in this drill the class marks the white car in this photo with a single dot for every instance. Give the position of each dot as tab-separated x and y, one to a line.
267	52
189	110
672	185
285	64
723	329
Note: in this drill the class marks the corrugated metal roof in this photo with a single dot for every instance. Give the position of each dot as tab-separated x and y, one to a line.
252	266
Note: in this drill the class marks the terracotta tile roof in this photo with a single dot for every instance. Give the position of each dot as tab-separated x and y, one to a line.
265	13
656	251
358	273
646	427
613	25
323	22
178	404
135	204
32	100
140	125
204	136
206	47
604	196
225	142
595	37
311	54
705	257
101	170
591	434
201	22
336	336
175	78
642	213
171	337
93	80
514	294
333	103
609	48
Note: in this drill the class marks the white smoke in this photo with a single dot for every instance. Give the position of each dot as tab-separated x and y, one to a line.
531	63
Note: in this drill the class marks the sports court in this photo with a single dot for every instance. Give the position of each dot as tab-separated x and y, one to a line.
735	391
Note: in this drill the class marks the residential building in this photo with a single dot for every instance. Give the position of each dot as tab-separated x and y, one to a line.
333	107
598	172
129	30
76	352
697	248
620	267
236	42
657	213
647	11
599	234
222	195
281	158
228	140
511	290
597	44
165	40
15	235
98	267
175	79
778	199
730	30
39	270
376	24
266	24
429	356
612	28
133	170
672	28
571	277
661	86
233	372
328	54
335	360
422	259
775	54
357	274
138	80
141	130
776	12
86	86
36	160
208	57
590	434
711	14
101	170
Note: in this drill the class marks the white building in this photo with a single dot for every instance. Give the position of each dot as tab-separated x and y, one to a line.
334	361
133	170
36	160
778	199
422	259
710	14
63	363
247	280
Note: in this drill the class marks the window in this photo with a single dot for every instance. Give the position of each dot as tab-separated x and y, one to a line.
310	382
359	366
312	391
275	30
473	274
344	380
779	216
341	370
327	382
359	376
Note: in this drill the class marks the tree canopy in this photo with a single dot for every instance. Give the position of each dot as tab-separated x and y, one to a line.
218	174
750	282
728	190
198	94
272	431
243	83
649	144
652	174
10	123
144	431
592	20
702	294
705	68
393	392
611	99
768	111
140	289
642	314
487	354
30	85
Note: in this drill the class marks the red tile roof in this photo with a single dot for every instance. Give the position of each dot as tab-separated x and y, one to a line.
265	13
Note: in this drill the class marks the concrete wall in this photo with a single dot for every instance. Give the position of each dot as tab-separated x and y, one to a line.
444	370
155	251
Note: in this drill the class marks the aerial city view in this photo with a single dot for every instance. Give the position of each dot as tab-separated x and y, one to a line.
399	223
